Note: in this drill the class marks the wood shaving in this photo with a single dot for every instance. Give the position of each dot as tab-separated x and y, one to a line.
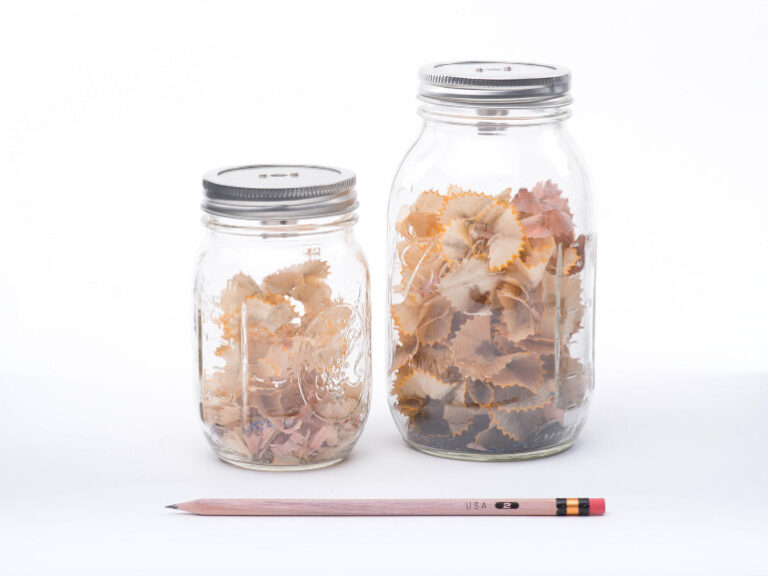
489	296
297	392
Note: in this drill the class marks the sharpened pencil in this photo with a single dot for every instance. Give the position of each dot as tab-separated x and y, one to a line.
458	507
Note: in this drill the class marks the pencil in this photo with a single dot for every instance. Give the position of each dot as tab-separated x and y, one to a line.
471	507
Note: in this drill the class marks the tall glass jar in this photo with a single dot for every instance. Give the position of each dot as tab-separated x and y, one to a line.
491	267
282	317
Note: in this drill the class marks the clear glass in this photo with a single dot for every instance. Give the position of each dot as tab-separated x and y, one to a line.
491	285
283	341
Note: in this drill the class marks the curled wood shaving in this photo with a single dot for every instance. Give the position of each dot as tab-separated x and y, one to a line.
468	286
507	241
474	353
424	218
404	350
435	359
459	418
421	385
300	396
435	320
422	266
461	205
489	284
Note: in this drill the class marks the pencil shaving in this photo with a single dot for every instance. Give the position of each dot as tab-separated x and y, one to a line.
297	400
487	286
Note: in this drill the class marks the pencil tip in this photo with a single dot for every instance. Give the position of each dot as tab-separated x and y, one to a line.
174	506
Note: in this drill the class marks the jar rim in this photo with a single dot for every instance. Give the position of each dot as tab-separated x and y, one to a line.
495	83
279	191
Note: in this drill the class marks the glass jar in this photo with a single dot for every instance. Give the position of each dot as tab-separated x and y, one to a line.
282	317
491	267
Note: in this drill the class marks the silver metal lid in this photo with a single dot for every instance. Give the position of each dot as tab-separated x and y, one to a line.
279	191
505	84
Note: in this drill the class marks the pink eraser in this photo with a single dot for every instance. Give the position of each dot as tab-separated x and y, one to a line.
596	506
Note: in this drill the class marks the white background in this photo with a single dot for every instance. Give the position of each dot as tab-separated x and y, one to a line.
110	113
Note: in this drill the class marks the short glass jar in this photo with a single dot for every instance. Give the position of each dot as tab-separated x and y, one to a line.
491	267
282	317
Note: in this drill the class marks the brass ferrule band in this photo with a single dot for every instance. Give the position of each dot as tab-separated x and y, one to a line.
572	506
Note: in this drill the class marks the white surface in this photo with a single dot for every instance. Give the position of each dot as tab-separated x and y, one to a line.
679	459
109	115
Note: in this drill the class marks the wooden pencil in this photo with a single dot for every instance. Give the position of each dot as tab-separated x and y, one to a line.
470	507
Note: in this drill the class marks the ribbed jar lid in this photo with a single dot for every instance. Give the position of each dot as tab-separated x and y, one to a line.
279	191
495	83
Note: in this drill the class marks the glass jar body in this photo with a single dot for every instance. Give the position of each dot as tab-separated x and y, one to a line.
491	286
282	317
